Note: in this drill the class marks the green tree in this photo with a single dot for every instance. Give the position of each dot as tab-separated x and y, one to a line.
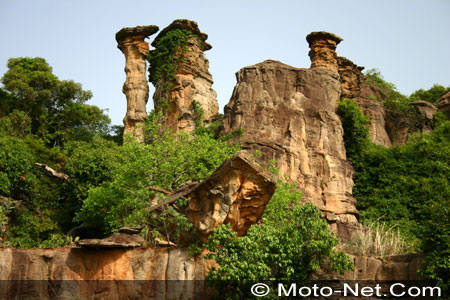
289	244
165	162
56	107
432	95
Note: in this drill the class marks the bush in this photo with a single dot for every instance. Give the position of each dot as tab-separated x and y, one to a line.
164	163
289	244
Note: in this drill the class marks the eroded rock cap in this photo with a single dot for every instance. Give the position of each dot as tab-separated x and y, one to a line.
186	25
323	35
145	31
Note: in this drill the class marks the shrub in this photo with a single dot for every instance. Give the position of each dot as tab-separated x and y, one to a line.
165	162
289	244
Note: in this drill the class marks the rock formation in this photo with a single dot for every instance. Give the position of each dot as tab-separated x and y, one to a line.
289	115
125	237
354	87
444	105
323	50
427	111
236	193
191	85
131	41
158	273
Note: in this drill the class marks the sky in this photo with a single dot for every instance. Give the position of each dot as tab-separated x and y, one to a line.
407	40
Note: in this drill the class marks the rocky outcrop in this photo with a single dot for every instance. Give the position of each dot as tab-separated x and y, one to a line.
427	111
236	193
354	87
152	273
126	237
288	114
191	88
323	50
399	267
74	273
131	41
444	105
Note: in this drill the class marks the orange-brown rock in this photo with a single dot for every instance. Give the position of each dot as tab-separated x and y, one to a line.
354	87
192	82
289	114
444	105
236	193
323	49
152	273
427	111
391	268
131	41
74	273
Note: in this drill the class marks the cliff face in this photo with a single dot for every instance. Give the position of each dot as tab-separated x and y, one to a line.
162	273
289	115
192	82
355	87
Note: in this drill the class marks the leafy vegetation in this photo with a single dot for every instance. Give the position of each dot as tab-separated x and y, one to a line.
288	245
127	200
56	108
403	185
432	95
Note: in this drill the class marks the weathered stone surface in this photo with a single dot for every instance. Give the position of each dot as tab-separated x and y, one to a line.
152	273
444	104
323	49
289	115
236	193
427	111
393	268
131	42
354	87
116	240
192	82
70	273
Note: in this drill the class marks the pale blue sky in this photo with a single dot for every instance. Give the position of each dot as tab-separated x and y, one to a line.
407	40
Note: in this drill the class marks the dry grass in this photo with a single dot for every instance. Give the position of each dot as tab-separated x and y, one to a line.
379	240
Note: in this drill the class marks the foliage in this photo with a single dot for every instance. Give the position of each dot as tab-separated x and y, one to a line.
164	58
56	108
380	240
290	243
166	162
432	95
354	122
39	114
435	234
398	107
408	186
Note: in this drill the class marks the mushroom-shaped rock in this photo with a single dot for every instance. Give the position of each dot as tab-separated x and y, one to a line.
236	193
323	49
187	97
131	41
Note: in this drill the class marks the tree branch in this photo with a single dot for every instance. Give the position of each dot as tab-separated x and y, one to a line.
53	172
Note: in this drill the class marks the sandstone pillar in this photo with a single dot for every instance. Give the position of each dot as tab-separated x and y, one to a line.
323	50
131	42
187	97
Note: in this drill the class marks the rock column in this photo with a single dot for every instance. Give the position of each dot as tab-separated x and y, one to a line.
323	50
191	100
131	41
